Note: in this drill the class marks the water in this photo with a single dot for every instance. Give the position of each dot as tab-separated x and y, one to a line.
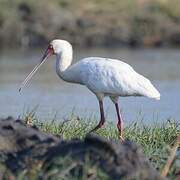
53	97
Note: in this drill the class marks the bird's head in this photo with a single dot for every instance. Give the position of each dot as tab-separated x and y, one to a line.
55	47
58	45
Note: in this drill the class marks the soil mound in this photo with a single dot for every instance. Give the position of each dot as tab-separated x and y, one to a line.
28	152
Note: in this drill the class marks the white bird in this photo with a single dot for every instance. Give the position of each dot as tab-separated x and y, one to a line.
102	76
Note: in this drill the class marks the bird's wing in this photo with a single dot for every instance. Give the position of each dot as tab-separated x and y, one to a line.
114	77
107	75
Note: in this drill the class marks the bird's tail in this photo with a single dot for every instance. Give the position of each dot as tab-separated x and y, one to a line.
152	92
148	89
155	94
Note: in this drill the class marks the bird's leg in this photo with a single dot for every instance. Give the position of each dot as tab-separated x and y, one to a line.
102	120
120	121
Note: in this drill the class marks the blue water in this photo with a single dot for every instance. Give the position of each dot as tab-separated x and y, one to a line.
55	98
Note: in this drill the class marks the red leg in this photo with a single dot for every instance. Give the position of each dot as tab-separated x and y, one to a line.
120	122
102	120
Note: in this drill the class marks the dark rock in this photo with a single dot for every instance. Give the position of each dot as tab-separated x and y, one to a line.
20	143
43	156
117	160
16	135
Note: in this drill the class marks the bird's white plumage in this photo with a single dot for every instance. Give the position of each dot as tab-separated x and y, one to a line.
103	76
112	77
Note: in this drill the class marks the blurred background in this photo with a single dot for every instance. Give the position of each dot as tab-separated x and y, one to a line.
145	33
149	23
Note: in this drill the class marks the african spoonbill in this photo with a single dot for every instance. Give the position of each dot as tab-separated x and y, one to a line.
102	76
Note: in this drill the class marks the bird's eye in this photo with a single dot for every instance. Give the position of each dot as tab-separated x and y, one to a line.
50	46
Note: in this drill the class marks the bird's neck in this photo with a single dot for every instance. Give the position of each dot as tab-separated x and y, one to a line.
63	61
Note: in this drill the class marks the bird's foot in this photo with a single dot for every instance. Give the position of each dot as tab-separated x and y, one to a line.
94	129
121	138
97	127
120	130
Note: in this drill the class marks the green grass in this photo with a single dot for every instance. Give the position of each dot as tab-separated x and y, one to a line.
155	140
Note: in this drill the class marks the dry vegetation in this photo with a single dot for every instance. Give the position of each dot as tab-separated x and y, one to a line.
87	23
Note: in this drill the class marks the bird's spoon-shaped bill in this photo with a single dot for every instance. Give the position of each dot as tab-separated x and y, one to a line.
47	53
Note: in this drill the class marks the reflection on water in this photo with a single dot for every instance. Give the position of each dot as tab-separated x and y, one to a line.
53	96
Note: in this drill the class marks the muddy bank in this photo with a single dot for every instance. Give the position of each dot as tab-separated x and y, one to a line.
90	23
27	152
